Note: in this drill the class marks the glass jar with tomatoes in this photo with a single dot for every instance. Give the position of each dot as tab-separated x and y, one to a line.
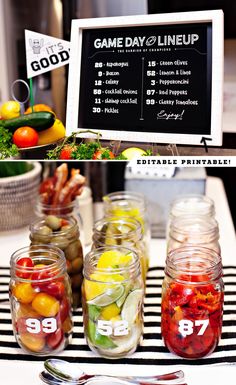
194	230
119	231
132	205
62	232
40	298
192	302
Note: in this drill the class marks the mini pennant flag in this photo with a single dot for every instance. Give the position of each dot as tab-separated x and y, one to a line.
44	53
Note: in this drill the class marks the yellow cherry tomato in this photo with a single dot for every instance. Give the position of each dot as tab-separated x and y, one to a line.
24	292
32	342
46	305
26	310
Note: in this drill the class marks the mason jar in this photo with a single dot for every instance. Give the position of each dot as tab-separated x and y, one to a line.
62	232
70	209
127	232
191	204
133	205
195	230
192	302
40	298
112	298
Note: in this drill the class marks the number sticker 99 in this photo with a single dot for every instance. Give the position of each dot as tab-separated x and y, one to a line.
35	326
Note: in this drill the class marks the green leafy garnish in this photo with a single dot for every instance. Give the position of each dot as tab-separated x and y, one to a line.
86	150
7	148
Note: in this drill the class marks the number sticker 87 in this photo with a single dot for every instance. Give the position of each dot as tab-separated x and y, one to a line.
186	327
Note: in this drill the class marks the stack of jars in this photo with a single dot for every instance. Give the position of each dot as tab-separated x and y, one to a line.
192	292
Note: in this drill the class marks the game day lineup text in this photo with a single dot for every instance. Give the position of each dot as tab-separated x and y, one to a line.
151	78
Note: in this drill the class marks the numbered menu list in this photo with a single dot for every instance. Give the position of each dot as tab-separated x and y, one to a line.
152	79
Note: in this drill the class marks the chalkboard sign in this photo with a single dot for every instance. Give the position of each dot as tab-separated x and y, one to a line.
155	78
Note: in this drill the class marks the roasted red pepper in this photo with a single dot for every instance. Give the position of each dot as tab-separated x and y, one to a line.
191	316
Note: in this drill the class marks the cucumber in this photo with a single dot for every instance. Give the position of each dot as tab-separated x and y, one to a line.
38	120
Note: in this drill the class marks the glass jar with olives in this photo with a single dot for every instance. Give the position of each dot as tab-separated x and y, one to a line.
62	232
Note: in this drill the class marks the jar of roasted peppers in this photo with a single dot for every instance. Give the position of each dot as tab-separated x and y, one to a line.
62	232
112	297
192	302
40	298
194	230
132	205
119	231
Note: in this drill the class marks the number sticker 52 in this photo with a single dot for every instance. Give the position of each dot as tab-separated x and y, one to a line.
186	327
107	328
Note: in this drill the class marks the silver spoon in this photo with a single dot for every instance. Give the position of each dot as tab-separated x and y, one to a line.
71	373
96	380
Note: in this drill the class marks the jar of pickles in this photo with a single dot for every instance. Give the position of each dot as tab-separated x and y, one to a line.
119	231
192	302
40	298
62	232
195	230
133	205
112	297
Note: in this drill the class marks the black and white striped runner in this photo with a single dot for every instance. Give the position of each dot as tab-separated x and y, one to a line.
152	351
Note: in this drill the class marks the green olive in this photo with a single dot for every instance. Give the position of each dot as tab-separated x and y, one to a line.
60	242
76	265
53	222
76	281
74	250
43	235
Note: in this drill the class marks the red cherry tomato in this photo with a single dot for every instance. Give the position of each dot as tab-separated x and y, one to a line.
54	339
103	153
25	137
64	309
66	152
24	264
55	289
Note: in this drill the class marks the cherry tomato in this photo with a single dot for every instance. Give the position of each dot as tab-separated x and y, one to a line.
24	264
54	339
40	273
103	153
24	292
32	342
46	305
64	309
56	289
25	137
66	152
